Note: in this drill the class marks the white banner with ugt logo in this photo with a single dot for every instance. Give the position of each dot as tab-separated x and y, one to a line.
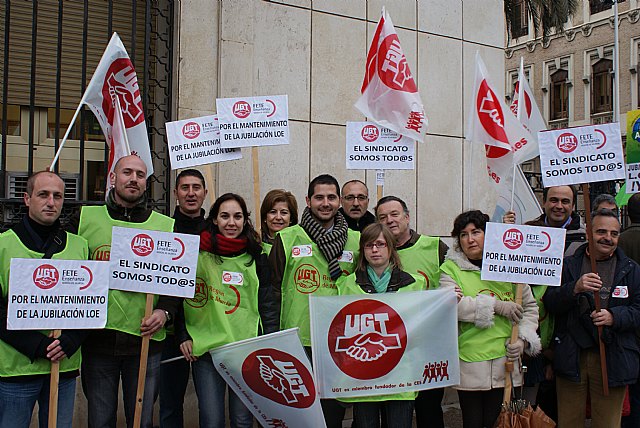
272	376
384	344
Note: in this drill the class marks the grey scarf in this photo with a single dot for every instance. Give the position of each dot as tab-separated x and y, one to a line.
331	243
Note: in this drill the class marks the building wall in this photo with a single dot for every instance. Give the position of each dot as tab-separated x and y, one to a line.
315	51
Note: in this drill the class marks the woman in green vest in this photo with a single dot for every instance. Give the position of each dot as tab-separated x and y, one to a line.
379	271
486	313
279	209
232	302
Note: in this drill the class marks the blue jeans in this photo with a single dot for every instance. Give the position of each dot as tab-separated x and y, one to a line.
101	375
210	389
17	400
398	413
174	378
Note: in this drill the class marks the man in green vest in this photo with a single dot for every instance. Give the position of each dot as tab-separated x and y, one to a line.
423	255
307	259
114	352
26	356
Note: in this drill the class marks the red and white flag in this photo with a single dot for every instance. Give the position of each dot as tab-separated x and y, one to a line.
491	124
378	344
272	376
389	93
529	116
115	82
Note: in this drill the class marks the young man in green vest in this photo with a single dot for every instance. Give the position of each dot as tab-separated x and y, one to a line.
114	352
26	356
422	255
307	259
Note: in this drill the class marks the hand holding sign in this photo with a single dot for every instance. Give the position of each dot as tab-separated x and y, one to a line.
589	282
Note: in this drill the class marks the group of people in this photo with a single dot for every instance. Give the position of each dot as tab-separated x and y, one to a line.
353	251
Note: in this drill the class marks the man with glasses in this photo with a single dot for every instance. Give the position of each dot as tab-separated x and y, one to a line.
355	201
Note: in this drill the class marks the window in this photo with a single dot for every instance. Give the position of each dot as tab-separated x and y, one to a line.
520	21
559	95
596	6
13	119
602	87
17	185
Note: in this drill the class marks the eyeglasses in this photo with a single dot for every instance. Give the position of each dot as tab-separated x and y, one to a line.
350	198
379	244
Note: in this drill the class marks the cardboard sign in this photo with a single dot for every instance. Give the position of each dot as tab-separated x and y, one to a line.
370	146
57	294
378	344
633	178
197	142
633	152
527	254
581	155
253	121
148	261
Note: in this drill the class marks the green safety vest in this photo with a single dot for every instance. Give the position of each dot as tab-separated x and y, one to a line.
422	258
348	285
126	308
546	321
481	344
308	273
13	362
266	248
224	308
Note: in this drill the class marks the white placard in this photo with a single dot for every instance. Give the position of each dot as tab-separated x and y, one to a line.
527	254
378	344
380	177
633	178
584	154
148	261
197	142
253	121
370	146
57	294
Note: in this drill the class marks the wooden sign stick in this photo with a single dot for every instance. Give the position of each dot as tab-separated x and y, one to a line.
142	371
508	365
256	189
53	388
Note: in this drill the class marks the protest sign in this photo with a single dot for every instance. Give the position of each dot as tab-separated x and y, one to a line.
633	152
378	344
583	154
272	376
370	146
253	121
57	294
527	254
197	142
148	261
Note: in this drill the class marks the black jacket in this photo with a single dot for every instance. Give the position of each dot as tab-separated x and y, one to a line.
575	330
399	279
358	225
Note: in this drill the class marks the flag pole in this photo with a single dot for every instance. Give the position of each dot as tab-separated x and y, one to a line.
66	134
120	119
521	103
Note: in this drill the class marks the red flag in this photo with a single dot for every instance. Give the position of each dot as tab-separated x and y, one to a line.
389	93
113	87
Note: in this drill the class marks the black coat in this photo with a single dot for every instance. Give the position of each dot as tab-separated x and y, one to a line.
575	331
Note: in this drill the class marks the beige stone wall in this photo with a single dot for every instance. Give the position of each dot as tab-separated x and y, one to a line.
315	51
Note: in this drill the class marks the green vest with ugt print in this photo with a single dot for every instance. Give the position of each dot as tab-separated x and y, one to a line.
422	258
348	285
481	344
13	362
224	308
307	272
126	308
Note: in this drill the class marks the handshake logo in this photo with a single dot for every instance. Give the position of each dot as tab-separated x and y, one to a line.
366	337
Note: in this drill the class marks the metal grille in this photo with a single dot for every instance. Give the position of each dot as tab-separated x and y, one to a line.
48	52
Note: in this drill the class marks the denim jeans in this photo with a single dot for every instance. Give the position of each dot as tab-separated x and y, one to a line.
210	389
398	413
17	400
174	378
101	375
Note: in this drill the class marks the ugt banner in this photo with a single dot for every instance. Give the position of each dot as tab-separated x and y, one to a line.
272	376
384	344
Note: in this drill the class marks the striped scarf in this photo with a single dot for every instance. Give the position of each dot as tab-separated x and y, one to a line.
331	243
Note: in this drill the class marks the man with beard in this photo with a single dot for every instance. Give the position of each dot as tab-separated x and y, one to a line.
323	247
114	352
355	201
576	336
25	365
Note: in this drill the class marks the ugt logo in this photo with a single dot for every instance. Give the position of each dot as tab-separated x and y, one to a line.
241	109
142	245
121	86
512	239
367	339
191	130
45	276
567	142
370	133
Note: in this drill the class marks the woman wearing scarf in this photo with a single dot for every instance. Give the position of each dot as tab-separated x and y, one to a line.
279	209
379	271
486	312
232	302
